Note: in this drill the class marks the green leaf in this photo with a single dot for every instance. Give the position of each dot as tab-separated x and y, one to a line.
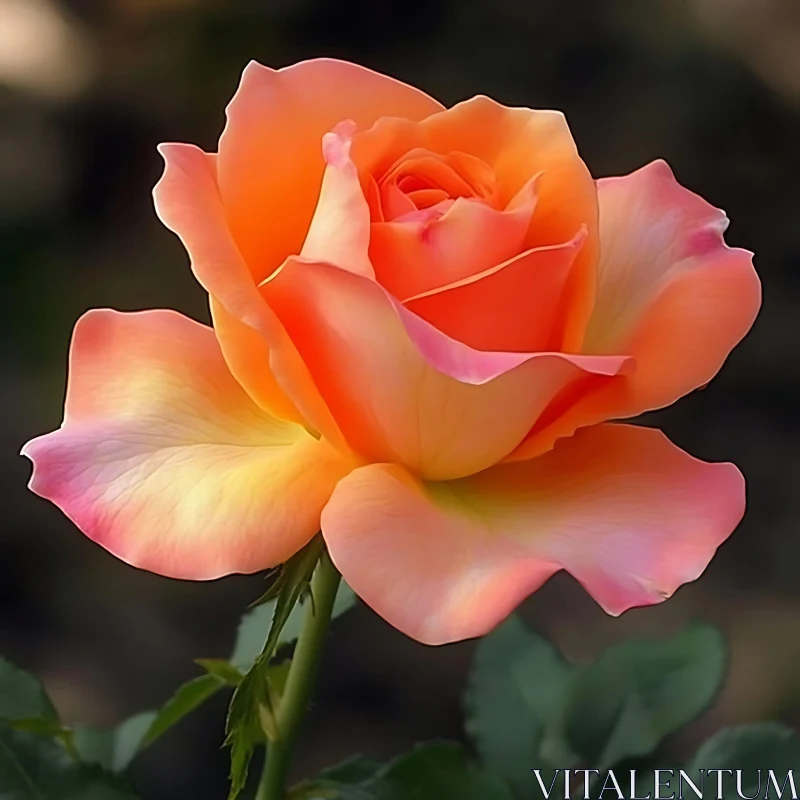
95	745
252	635
254	627
352	772
355	769
129	738
768	745
250	702
33	767
22	697
221	669
516	681
251	708
750	748
25	706
437	771
43	727
276	676
638	692
433	771
114	749
186	699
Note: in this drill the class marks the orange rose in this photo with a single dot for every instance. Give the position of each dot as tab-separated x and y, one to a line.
422	319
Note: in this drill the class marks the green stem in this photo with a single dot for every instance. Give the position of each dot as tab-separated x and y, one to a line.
300	681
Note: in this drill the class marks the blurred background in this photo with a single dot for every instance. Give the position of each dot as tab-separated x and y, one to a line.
87	90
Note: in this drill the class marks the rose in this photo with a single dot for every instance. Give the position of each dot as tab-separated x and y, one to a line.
422	320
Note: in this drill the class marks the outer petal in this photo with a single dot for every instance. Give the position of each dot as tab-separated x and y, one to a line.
512	307
270	158
631	516
671	294
163	460
253	341
653	231
401	390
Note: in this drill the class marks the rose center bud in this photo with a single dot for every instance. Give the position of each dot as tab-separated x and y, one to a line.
437	217
421	180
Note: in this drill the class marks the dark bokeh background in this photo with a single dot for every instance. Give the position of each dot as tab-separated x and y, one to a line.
87	90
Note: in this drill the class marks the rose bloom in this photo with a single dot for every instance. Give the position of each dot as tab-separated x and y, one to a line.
423	319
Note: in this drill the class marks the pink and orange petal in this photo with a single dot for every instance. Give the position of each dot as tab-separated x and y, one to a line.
627	513
165	461
270	158
403	391
671	294
254	343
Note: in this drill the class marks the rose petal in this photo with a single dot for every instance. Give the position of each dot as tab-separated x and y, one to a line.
417	253
254	343
402	391
339	231
395	203
270	161
512	307
627	513
671	294
520	143
163	460
652	232
425	198
453	173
